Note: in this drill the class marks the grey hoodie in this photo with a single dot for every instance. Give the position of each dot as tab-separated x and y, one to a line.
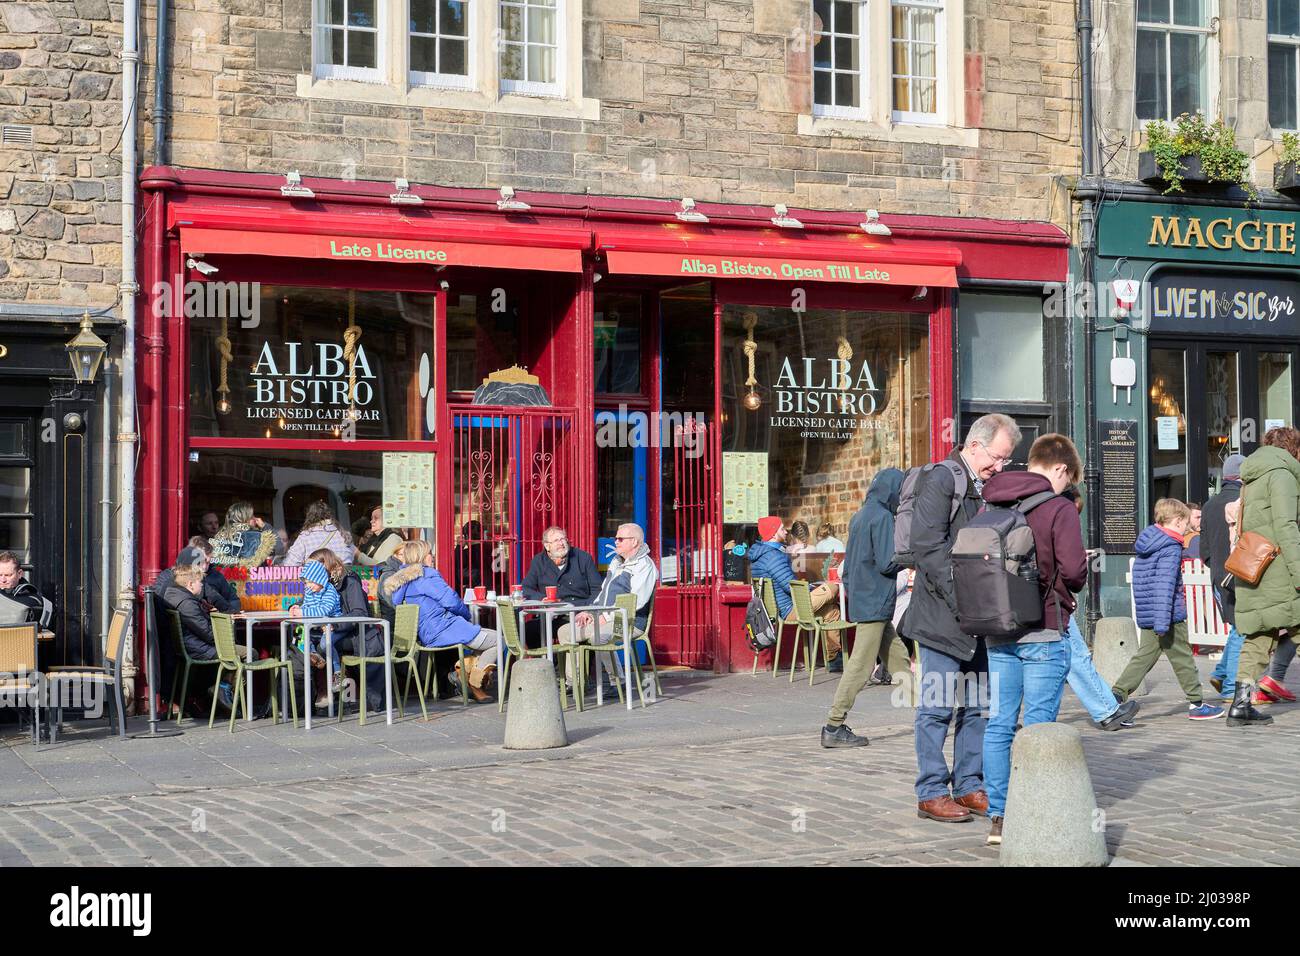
637	575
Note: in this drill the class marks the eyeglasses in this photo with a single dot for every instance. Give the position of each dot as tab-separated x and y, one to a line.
625	537
997	459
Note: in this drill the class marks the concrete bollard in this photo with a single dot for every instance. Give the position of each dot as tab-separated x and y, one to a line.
1113	646
534	717
1052	817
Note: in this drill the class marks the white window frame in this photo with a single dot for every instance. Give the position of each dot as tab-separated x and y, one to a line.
1208	77
1292	42
863	72
939	116
532	87
321	31
444	81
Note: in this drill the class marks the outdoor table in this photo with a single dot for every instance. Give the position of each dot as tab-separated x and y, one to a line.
250	618
45	635
544	609
309	623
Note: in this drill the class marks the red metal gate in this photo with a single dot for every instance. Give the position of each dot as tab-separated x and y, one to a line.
512	478
698	538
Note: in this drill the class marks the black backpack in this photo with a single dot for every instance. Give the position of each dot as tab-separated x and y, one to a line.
903	555
995	571
759	631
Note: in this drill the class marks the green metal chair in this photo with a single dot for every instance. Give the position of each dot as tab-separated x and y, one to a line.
627	602
223	633
807	622
430	653
403	653
405	646
516	649
768	597
177	634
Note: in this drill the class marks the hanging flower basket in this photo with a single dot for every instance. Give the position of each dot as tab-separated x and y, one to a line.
1285	179
1193	171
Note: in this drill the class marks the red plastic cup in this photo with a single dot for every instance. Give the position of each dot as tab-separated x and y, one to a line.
480	594
833	574
551	593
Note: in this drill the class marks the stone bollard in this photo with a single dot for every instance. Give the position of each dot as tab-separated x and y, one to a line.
534	717
1052	817
1113	646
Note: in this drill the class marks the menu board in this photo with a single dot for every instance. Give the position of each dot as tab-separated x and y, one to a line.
408	490
744	486
1119	492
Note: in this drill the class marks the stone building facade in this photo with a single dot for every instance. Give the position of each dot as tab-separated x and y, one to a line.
60	158
697	98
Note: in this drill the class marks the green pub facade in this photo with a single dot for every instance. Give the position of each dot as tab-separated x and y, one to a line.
1204	299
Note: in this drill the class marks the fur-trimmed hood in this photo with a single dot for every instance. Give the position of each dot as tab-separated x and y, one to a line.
404	576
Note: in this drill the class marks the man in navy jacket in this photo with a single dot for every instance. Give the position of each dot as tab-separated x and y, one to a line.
571	571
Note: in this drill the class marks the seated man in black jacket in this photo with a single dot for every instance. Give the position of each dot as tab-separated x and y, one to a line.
182	596
15	587
571	571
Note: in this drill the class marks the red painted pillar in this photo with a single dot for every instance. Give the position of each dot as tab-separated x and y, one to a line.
944	422
584	377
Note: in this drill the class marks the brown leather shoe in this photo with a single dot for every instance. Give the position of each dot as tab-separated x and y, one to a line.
975	802
944	809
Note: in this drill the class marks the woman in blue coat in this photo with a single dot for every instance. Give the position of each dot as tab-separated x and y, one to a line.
444	620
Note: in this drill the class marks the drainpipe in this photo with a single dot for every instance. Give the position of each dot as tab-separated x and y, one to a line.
129	288
160	87
106	505
1087	251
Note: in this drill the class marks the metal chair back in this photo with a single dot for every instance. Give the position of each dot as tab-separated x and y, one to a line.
627	601
767	594
223	635
406	629
802	598
508	625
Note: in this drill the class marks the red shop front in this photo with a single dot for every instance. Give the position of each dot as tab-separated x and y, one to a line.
485	371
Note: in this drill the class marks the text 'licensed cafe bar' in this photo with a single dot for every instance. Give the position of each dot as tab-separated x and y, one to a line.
483	368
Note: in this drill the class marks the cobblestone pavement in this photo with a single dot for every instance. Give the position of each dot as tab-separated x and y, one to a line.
1174	791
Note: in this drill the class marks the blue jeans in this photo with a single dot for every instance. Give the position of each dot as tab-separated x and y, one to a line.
1034	674
1226	669
950	692
1093	692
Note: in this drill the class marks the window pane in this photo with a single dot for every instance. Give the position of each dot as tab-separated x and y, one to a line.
541	64
618	343
900	23
288	374
337	40
512	23
512	62
1281	86
902	94
923	25
1187	55
845	21
846	89
924	62
1152	95
15	490
424	17
1153	11
1168	425
361	49
336	11
1288	18
424	53
844	54
900	58
1222	410
454	59
453	18
11	439
14	536
541	26
479	340
1275	401
924	96
822	15
1189	13
361	13
1000	345
822	51
822	88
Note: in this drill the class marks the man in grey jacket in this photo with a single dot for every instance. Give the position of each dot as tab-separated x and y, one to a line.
954	665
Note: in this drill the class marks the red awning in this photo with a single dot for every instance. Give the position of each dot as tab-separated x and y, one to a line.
387	237
783	255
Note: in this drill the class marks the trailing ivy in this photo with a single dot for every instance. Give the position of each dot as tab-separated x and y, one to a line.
1214	144
1290	150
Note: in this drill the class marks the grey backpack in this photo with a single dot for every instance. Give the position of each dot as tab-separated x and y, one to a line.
903	555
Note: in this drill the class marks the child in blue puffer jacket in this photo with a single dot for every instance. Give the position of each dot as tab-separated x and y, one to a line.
1162	609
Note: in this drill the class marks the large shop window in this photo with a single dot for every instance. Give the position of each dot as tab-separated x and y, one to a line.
482	337
316	363
831	398
618	344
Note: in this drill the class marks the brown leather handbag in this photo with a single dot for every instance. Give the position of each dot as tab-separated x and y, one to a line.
1252	554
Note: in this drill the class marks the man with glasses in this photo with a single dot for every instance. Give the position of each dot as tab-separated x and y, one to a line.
954	665
571	571
630	572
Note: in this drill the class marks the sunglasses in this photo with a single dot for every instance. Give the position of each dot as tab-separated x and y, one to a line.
625	537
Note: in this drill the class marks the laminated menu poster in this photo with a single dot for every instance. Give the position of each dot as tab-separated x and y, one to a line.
744	486
408	490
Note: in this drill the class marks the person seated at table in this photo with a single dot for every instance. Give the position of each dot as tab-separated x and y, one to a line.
796	541
182	596
320	530
768	559
444	619
217	589
320	599
244	540
355	603
571	571
378	544
631	571
15	587
827	542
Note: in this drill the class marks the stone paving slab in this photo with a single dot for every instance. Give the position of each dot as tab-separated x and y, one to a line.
724	771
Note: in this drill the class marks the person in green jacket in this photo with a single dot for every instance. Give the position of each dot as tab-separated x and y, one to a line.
1270	505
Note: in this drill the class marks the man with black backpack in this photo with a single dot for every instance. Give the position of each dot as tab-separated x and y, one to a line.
1029	657
936	502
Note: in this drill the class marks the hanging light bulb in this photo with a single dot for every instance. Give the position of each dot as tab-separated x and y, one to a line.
223	407
752	401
